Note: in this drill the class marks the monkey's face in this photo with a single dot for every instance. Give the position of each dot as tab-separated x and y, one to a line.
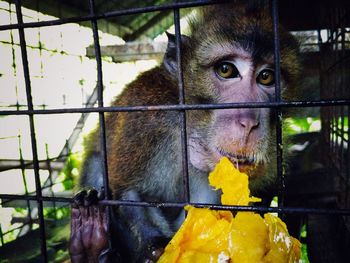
230	74
231	60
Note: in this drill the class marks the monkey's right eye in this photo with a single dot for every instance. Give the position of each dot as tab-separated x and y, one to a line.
227	70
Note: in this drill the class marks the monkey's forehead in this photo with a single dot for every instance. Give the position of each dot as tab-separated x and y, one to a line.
254	43
210	54
209	51
238	27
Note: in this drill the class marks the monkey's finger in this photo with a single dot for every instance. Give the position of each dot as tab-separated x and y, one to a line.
101	194
91	198
78	199
75	219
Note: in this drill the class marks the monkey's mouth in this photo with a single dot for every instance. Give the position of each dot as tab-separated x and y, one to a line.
242	162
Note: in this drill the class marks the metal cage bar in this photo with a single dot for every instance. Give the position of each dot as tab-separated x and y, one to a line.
130	11
177	107
102	130
182	102
278	112
32	131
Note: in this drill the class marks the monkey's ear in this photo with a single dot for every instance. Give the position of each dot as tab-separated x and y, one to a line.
169	60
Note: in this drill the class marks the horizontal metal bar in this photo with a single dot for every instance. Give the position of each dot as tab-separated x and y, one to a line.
298	210
283	104
9	164
16	203
7	197
110	14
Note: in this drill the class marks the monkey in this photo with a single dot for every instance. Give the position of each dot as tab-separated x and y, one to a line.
228	57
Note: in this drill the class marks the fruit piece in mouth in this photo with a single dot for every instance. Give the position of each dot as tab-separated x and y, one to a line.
242	162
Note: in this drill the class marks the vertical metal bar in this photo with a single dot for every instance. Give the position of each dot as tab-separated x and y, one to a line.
1	236
101	115
346	115
182	101
24	179
100	99
14	65
332	86
49	169
345	152
32	131
347	161
278	112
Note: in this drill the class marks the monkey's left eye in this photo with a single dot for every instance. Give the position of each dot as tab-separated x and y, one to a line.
227	70
266	77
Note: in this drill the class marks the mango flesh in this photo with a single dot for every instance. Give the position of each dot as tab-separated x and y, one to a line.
219	236
232	182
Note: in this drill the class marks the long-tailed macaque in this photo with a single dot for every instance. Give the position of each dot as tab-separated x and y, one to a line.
228	57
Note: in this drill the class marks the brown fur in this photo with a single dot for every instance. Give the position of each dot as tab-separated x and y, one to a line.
141	130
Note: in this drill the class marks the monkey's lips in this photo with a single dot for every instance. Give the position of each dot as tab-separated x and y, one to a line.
242	162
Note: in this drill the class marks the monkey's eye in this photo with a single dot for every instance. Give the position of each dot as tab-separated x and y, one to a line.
266	77
227	70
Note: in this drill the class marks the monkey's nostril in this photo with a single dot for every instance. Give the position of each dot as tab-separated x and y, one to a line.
249	124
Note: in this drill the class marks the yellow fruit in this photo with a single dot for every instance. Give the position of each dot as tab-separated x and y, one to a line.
283	247
248	236
232	182
219	236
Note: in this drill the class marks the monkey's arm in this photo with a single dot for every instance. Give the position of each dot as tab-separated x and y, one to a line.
137	144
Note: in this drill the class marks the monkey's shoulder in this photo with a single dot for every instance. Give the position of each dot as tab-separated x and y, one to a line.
153	87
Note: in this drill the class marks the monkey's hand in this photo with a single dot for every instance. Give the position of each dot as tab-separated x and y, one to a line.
89	239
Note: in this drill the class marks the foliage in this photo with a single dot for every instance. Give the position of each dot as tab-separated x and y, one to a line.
69	172
304	257
299	125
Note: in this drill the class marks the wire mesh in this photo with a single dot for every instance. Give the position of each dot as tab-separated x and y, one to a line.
335	84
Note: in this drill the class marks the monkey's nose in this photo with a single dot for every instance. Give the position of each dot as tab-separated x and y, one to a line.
248	124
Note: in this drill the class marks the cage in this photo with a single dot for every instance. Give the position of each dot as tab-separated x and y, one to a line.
313	193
